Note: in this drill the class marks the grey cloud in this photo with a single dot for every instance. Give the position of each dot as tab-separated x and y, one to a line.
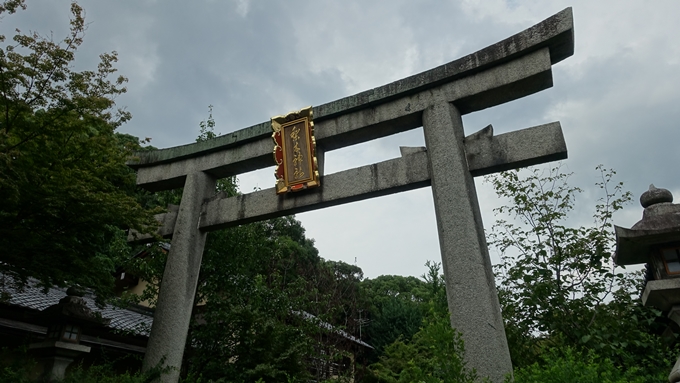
616	97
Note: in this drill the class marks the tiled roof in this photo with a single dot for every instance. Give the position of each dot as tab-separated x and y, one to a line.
121	319
124	320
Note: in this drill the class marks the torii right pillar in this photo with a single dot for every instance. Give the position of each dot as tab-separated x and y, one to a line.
465	257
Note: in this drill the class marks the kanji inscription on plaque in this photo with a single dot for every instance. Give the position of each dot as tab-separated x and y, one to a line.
295	151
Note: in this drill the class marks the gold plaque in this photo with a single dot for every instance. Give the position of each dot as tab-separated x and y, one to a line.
295	151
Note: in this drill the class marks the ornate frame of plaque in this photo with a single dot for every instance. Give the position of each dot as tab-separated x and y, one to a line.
295	151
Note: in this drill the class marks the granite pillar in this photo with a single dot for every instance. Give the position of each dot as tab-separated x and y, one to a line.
470	288
180	277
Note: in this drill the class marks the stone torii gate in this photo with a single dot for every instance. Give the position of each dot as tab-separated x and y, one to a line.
436	99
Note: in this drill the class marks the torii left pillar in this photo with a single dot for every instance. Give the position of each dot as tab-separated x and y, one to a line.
180	277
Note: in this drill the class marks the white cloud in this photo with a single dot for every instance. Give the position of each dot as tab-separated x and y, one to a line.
242	7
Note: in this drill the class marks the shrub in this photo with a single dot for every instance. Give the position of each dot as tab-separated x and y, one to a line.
569	366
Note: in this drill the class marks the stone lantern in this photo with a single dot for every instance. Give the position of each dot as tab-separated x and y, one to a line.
65	323
655	242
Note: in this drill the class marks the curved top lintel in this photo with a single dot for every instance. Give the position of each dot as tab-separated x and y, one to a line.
555	32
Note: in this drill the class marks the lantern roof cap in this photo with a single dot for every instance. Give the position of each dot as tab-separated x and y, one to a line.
660	224
73	308
654	196
660	212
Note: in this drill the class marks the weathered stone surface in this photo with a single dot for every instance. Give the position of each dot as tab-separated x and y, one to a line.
54	357
633	247
470	286
73	309
408	150
674	376
485	153
499	84
392	176
658	228
655	195
555	33
176	297
506	151
662	294
496	85
659	216
488	154
196	149
659	224
225	162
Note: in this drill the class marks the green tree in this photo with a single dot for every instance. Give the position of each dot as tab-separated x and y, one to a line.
249	327
569	366
433	354
396	306
558	285
395	309
64	186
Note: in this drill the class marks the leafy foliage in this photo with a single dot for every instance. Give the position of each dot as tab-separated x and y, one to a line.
15	366
558	286
106	374
434	353
63	180
248	317
18	366
569	366
397	305
395	309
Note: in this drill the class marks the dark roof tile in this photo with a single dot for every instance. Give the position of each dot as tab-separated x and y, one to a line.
34	297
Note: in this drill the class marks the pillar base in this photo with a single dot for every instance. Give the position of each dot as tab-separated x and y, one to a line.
674	376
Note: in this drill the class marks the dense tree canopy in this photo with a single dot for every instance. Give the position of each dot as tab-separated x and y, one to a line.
395	309
427	351
263	297
65	190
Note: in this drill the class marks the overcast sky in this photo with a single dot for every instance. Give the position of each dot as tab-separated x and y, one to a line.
616	97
